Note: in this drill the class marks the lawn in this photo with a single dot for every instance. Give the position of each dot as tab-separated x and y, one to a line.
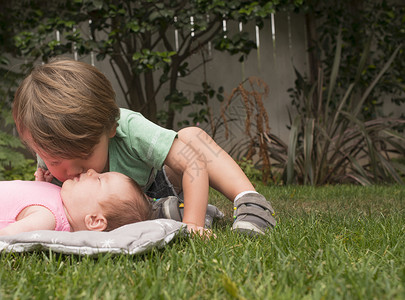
340	242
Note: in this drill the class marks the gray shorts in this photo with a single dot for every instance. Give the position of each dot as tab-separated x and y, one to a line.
161	187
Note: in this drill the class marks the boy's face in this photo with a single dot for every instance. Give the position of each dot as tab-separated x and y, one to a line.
82	195
64	169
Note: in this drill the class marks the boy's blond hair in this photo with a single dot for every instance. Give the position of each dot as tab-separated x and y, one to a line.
127	209
64	107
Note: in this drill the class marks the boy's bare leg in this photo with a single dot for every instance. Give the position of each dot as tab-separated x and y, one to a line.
253	214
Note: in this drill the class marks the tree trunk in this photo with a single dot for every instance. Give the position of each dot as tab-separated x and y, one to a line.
172	89
149	105
313	56
150	109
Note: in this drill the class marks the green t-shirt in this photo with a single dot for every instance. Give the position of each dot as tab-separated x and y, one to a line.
139	148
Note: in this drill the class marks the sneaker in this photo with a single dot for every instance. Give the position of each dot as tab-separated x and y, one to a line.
253	214
172	208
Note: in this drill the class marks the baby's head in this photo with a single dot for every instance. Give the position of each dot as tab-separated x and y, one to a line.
65	107
103	202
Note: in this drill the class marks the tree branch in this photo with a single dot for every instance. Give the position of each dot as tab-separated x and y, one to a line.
207	39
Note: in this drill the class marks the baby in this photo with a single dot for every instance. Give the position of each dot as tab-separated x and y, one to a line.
92	201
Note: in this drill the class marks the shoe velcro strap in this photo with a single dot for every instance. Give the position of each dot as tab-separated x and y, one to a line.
254	199
256	211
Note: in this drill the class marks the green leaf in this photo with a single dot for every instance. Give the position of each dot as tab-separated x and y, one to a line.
220	98
308	144
230	286
335	70
386	66
292	148
98	4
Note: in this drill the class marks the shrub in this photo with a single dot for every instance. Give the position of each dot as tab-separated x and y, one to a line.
332	144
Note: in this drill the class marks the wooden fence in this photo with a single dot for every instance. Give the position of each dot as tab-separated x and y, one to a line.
281	47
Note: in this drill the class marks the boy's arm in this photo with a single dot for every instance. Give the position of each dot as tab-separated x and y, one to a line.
34	218
185	161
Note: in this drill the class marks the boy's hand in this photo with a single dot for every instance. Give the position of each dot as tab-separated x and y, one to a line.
203	232
43	175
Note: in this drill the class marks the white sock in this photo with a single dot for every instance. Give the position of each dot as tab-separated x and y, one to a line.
243	193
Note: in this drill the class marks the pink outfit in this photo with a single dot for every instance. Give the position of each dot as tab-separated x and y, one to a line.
17	195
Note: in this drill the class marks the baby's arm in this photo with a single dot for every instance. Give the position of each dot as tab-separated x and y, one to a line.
43	175
30	219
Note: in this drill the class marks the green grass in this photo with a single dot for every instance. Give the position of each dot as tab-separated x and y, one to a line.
341	242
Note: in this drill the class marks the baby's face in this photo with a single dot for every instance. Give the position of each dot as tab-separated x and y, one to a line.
82	195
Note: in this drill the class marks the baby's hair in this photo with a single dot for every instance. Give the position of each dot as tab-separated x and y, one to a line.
64	107
127	209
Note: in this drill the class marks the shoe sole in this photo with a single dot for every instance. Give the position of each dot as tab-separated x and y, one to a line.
246	227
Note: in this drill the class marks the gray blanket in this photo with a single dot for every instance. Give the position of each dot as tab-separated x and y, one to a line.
129	239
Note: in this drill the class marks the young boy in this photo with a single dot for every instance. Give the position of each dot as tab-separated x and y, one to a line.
91	201
66	112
